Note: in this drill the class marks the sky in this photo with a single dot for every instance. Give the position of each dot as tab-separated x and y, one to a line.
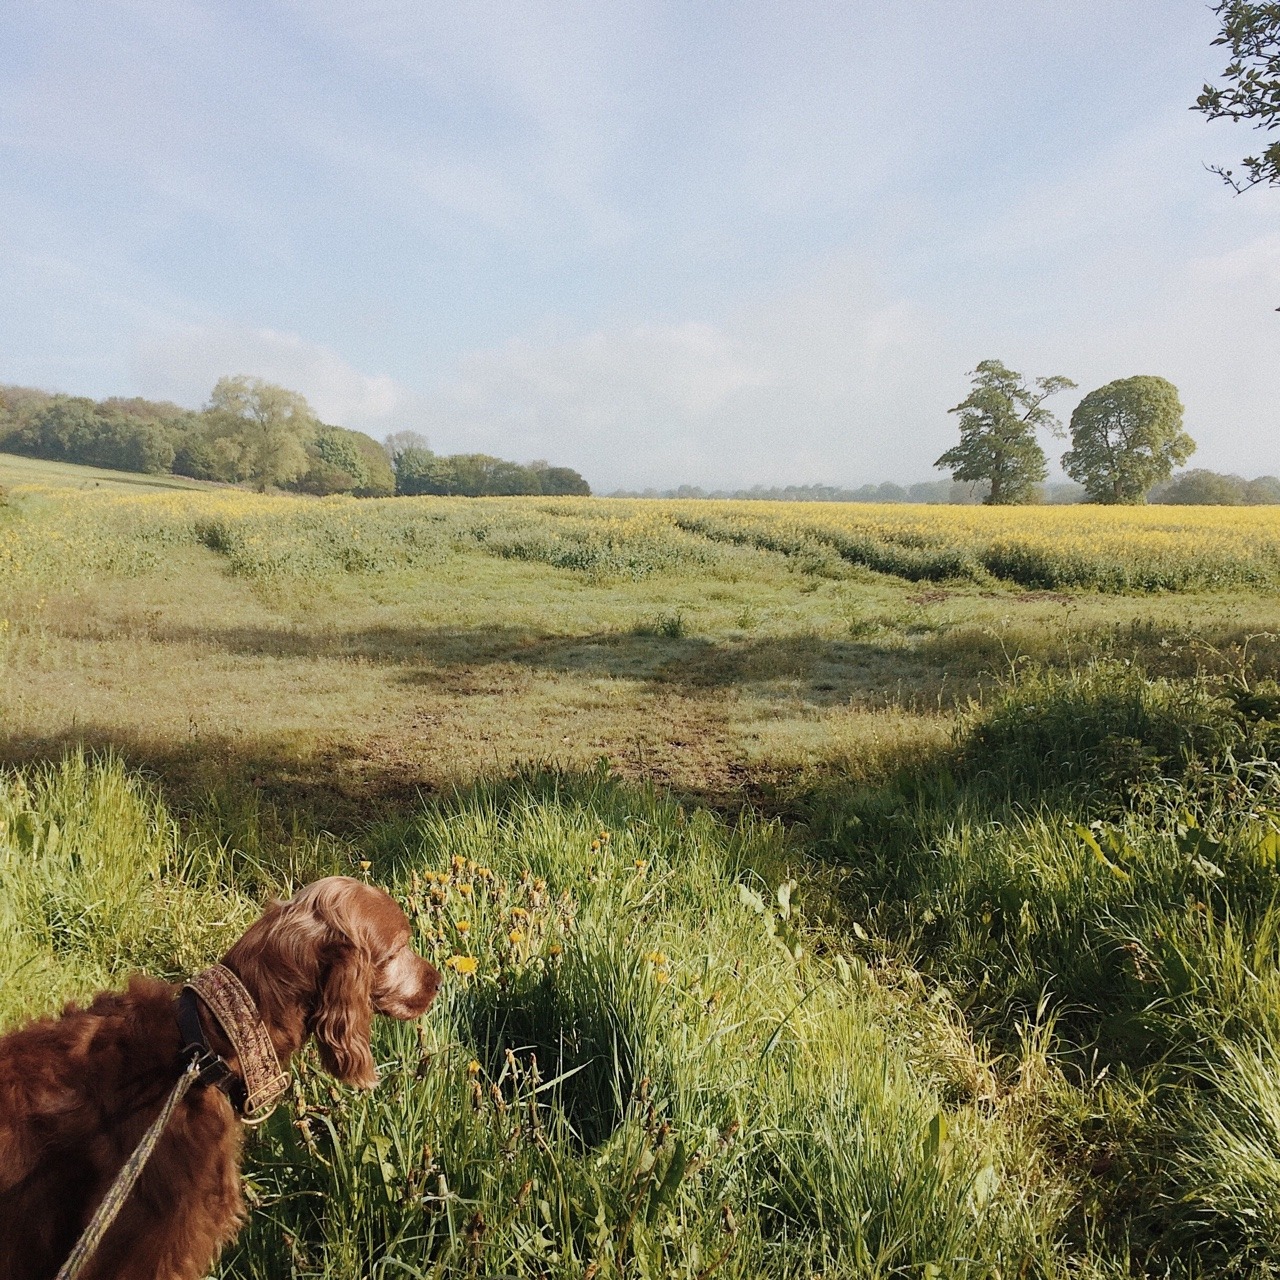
663	242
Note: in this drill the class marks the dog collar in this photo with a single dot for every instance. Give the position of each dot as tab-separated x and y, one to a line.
257	1090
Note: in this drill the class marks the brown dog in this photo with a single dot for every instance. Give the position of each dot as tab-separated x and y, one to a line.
77	1092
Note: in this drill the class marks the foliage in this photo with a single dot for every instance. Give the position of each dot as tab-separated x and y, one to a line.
475	475
336	464
1199	487
380	477
75	429
1126	437
258	432
998	423
1251	92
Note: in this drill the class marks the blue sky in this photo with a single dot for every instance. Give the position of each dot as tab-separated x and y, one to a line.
665	243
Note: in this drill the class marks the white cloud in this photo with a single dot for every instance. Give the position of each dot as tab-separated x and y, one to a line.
183	362
828	380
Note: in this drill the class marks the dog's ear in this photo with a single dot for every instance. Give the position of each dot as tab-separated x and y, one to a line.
344	1016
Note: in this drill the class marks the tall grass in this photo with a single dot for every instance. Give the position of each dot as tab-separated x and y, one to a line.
1099	856
659	1065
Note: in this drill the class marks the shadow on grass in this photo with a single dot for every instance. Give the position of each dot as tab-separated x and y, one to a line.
820	670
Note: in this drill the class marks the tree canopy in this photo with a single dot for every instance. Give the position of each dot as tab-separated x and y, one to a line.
259	431
1126	437
998	423
475	475
1251	88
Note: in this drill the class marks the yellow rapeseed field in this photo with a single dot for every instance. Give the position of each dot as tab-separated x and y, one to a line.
57	535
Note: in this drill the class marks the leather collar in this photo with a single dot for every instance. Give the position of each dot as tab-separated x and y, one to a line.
258	1088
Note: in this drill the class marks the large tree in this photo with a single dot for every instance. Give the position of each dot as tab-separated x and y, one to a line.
259	432
998	424
1251	91
1127	437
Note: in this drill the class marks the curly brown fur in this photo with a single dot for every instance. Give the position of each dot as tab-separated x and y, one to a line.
77	1092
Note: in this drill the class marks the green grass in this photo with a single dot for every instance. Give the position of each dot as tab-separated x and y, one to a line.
15	470
823	924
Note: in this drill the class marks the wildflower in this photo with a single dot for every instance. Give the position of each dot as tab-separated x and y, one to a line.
554	950
463	926
365	864
641	866
465	890
519	913
658	958
459	862
464	966
473	1068
516	936
595	846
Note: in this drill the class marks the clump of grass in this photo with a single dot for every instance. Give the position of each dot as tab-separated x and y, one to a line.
668	625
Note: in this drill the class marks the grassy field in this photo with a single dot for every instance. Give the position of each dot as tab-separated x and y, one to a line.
824	891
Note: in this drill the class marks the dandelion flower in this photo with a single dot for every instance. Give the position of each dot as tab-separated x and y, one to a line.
641	866
516	936
473	1068
365	864
463	926
519	913
554	950
465	890
462	965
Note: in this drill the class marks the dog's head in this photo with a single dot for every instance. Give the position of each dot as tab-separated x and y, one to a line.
325	962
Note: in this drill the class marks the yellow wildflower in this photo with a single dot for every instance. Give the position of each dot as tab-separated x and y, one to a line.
465	966
516	936
463	926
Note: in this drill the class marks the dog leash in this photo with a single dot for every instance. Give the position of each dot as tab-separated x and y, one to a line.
254	1097
114	1200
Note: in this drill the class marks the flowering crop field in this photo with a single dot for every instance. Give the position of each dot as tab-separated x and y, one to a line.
1110	549
872	892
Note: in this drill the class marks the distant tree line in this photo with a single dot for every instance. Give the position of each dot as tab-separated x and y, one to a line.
1199	488
255	433
929	491
473	475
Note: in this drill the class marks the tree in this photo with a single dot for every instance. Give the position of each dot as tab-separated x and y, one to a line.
563	481
399	442
1262	491
75	429
258	431
336	463
1252	90
998	423
1127	437
1200	488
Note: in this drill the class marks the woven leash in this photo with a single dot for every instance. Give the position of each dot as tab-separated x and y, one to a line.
114	1200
